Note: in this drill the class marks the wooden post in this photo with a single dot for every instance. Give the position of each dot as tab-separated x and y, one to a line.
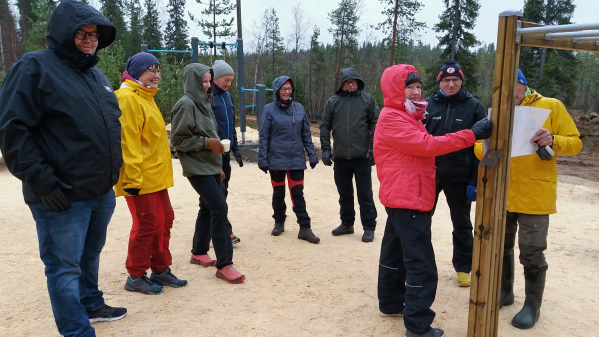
493	175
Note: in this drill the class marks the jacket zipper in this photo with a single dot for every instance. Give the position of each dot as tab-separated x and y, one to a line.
450	121
347	119
226	114
419	187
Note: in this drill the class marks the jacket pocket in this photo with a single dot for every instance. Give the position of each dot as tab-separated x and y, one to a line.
548	176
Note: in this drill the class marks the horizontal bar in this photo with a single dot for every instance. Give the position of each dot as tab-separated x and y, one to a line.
557	29
268	89
244	89
572	34
170	51
250	106
580	39
218	43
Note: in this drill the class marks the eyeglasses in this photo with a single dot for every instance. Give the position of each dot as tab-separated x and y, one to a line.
449	80
81	35
155	72
287	89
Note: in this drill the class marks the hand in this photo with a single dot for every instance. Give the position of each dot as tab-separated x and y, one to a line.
546	153
132	191
482	129
222	175
327	159
471	193
313	165
215	146
56	201
238	158
264	169
370	155
543	137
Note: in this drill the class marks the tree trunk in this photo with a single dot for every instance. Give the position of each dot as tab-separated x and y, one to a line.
394	32
454	33
548	20
340	50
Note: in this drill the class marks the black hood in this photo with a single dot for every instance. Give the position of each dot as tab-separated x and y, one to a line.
66	20
349	74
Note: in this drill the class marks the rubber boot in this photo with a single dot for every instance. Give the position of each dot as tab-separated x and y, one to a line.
507	282
534	287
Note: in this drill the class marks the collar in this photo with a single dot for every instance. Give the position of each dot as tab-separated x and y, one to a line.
216	90
139	89
529	99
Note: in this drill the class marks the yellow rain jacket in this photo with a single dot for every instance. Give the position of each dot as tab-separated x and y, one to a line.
533	182
147	161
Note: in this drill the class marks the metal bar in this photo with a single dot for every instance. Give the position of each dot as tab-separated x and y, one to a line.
241	83
557	29
260	102
144	47
580	39
169	51
218	43
195	58
572	34
267	89
250	106
244	89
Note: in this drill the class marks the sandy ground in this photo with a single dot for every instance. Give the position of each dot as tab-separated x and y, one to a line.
293	288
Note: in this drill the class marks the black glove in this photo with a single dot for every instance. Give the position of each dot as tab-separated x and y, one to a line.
482	129
313	165
132	191
545	153
238	158
370	155
327	159
55	200
264	169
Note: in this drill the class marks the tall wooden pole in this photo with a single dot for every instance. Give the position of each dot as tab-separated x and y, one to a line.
493	178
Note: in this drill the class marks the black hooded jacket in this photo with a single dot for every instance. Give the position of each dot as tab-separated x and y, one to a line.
447	114
352	117
59	119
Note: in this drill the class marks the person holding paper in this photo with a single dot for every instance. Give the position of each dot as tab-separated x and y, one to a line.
531	198
451	109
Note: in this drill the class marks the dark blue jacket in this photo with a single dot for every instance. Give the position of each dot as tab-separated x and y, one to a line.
59	119
285	134
224	111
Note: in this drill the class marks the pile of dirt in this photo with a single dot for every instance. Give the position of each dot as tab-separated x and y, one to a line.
583	165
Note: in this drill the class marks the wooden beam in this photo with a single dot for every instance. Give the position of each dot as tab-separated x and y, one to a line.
493	176
538	40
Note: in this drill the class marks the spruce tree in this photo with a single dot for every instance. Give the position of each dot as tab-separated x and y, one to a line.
36	38
113	11
345	32
134	36
401	15
175	37
151	34
24	23
457	21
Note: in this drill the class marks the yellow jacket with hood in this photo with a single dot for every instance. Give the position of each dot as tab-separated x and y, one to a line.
147	161
533	182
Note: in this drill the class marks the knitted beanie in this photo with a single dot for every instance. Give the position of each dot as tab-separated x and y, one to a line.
450	68
221	68
139	62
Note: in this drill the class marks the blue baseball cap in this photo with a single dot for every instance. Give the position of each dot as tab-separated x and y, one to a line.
521	78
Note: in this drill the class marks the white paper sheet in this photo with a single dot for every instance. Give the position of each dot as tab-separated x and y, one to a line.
527	121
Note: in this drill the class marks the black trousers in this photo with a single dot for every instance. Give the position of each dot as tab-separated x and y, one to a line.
459	210
224	186
407	269
345	170
295	179
212	220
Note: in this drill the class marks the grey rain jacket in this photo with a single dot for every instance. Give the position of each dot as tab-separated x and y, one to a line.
352	117
285	134
59	119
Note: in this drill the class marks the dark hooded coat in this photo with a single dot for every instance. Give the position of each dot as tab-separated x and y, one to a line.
285	134
59	118
352	117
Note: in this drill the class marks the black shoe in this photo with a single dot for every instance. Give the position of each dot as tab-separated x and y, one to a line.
167	279
279	228
533	287
368	236
343	229
306	234
106	313
507	282
431	333
234	239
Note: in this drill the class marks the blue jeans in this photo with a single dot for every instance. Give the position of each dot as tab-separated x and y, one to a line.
70	245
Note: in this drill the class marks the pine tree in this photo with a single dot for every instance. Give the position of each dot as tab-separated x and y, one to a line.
212	25
400	14
175	36
151	26
457	20
113	11
274	41
8	37
25	11
345	32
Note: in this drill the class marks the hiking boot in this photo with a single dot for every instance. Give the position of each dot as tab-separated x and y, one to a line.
533	287
368	236
230	274
306	234
234	239
143	285
506	296
203	260
431	333
105	313
167	279
279	228
464	279
343	229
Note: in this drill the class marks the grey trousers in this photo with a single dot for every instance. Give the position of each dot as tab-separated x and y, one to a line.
532	239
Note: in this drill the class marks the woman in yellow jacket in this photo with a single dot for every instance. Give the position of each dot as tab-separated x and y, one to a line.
531	198
146	174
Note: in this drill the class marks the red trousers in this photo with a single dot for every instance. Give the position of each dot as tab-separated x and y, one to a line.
153	218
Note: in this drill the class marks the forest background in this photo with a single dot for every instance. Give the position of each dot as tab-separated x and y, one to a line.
572	77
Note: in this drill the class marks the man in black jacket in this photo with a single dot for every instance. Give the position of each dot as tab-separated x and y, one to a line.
351	114
60	134
449	110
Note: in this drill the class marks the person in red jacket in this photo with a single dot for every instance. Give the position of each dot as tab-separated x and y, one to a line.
405	161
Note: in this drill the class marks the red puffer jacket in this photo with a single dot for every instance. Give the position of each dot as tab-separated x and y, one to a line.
404	151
